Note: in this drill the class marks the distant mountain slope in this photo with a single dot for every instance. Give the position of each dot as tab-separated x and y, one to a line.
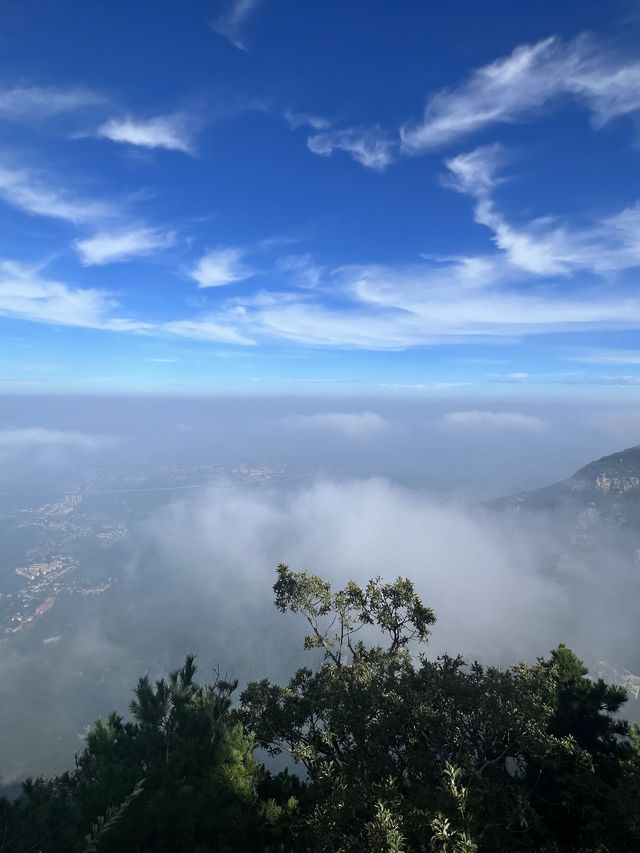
607	490
590	527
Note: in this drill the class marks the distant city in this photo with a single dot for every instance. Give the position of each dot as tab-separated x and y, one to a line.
61	536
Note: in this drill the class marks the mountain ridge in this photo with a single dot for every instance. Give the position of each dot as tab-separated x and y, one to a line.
599	484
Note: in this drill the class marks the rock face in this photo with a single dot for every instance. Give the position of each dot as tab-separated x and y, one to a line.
594	518
621	676
603	493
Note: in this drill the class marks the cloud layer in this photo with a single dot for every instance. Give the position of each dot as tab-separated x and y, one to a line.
487	594
45	440
474	419
349	424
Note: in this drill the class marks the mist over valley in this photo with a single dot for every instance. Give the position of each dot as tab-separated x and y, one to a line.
154	527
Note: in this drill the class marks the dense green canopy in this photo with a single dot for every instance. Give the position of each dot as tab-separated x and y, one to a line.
397	752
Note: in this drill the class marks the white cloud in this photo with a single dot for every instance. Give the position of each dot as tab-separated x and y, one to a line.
296	120
349	424
301	321
493	420
371	147
39	437
33	194
206	329
172	132
36	102
303	268
508	89
628	379
423	386
603	355
457	300
476	299
230	24
110	246
25	294
221	266
543	246
474	173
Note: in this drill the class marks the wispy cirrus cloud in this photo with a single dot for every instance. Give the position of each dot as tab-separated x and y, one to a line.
303	268
29	103
296	120
532	76
544	246
372	147
173	132
111	246
26	294
604	355
484	296
35	193
221	266
230	24
623	380
470	300
209	329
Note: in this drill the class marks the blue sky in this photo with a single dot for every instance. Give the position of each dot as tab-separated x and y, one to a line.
319	196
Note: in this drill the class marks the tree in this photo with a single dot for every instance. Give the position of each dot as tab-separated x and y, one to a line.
180	777
583	799
406	753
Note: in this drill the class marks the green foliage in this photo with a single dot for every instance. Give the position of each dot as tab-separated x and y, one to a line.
383	831
393	608
417	753
399	753
199	790
448	838
111	820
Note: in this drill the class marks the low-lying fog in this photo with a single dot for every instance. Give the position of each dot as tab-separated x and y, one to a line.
359	488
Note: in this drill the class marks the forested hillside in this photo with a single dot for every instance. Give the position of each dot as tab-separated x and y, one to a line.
395	751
